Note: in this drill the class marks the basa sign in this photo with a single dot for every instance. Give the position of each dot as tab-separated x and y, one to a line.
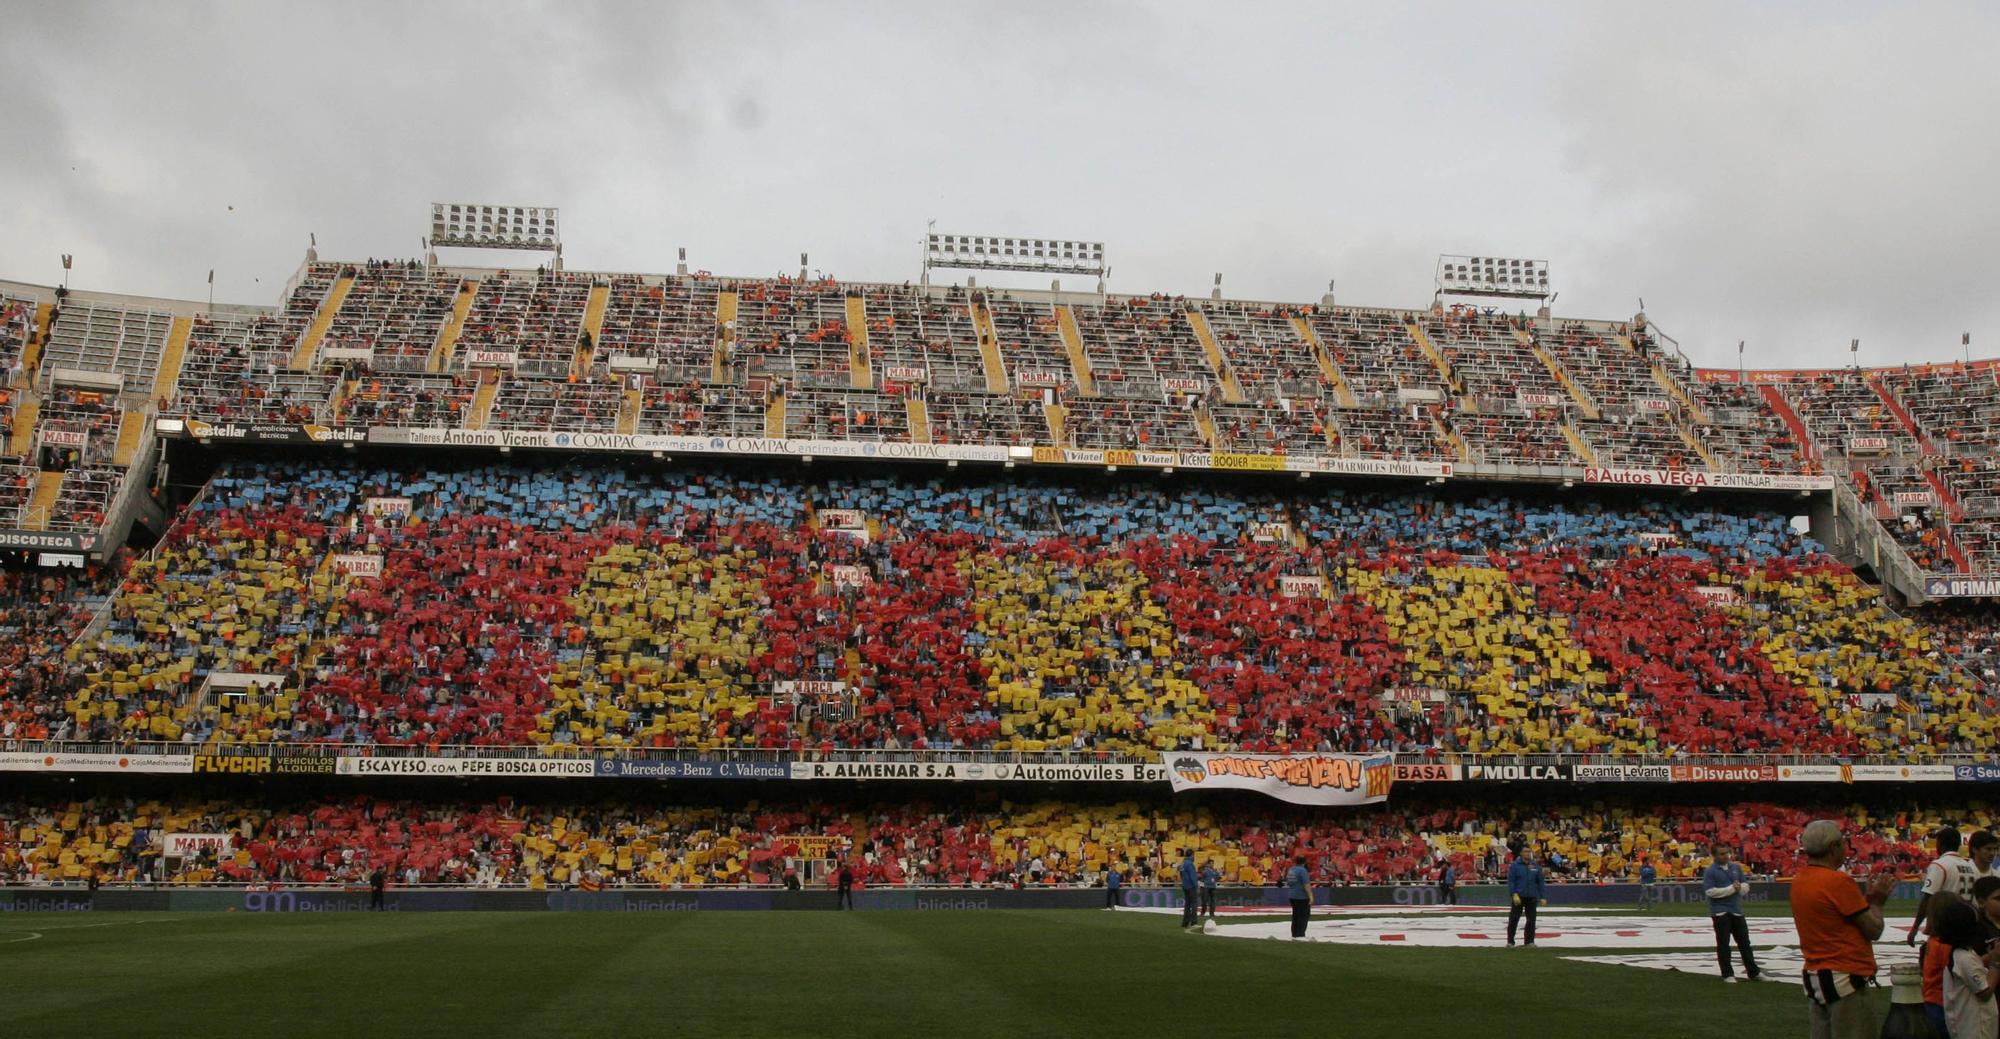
1310	779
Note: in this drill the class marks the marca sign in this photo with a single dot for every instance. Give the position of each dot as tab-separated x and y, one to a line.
1312	779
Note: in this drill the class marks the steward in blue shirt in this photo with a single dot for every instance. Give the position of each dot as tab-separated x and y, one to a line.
1298	891
1524	885
1723	882
1114	878
1209	876
1648	886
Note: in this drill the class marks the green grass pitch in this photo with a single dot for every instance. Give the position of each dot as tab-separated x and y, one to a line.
1014	974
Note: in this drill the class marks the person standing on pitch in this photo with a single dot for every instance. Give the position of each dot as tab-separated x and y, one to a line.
1190	890
1298	891
844	883
1950	874
1114	879
376	882
1649	879
1447	883
1725	886
1837	925
1524	886
1209	877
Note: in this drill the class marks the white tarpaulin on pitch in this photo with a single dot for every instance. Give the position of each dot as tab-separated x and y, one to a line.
1307	779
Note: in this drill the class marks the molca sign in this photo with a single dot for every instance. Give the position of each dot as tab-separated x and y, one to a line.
1536	773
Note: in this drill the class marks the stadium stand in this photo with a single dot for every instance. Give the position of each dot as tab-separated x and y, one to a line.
1013	616
535	320
102	337
674	323
916	842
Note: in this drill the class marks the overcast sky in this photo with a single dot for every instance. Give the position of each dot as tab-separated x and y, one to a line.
1793	174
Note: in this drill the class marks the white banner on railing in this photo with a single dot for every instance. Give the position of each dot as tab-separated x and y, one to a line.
1310	779
188	845
1915	498
1271	533
1652	404
1720	595
1301	586
842	519
1537	400
358	564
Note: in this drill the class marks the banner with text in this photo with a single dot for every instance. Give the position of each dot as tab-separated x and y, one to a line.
559	768
1309	779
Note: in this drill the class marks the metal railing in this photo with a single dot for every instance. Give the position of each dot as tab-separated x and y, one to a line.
952	756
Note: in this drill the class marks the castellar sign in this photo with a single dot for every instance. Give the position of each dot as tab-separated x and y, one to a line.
1307	779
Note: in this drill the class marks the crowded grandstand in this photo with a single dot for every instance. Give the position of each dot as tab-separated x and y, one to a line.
1045	528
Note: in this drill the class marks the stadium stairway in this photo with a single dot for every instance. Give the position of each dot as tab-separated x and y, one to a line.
453	327
725	319
1577	443
47	487
920	420
628	412
1232	391
172	357
593	327
1672	387
1694	444
861	372
1431	351
24	424
989	347
1206	423
1451	437
774	417
1938	487
1783	409
482	399
322	320
1072	338
1055	416
341	391
1341	391
131	432
1576	391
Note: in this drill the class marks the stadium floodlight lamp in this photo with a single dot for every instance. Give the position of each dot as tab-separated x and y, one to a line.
1492	276
470	226
995	253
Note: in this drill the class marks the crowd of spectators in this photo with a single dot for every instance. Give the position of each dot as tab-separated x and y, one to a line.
794	840
599	605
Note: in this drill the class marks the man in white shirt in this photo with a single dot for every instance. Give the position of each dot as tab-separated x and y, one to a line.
1951	874
1985	848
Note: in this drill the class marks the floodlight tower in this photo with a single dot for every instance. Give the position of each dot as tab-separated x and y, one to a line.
992	253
